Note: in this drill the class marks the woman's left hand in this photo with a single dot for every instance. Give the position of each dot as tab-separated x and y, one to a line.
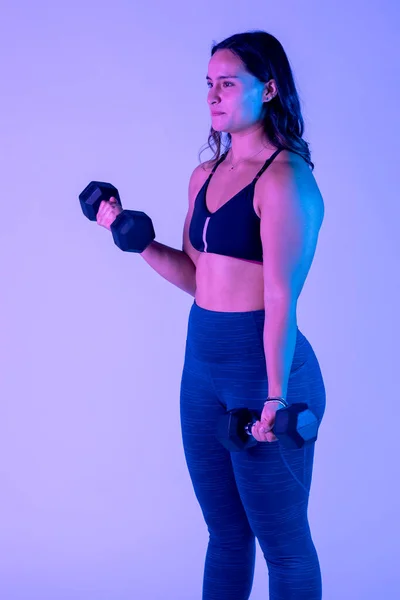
261	430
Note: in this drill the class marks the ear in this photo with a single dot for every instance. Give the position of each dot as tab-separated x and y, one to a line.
270	90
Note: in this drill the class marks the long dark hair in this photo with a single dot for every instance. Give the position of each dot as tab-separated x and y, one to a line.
264	57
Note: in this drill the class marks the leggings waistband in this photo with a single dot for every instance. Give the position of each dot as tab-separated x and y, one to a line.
222	336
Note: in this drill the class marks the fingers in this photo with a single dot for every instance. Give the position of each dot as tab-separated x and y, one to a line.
262	432
101	213
258	434
271	437
105	215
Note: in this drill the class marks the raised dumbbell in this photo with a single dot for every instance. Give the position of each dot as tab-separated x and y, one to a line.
295	426
132	230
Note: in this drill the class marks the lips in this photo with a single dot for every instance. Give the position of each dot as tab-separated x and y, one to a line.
215	114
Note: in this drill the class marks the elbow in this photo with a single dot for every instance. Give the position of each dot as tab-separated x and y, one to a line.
281	300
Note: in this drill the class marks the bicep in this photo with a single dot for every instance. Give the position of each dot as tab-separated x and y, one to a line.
291	216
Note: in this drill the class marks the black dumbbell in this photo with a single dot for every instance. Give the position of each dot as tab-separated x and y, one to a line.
295	426
132	230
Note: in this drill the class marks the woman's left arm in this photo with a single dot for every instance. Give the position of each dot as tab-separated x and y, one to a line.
292	211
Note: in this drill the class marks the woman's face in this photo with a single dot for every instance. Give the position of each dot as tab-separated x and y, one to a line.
234	92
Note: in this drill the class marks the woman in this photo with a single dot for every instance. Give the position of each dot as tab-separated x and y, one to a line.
249	239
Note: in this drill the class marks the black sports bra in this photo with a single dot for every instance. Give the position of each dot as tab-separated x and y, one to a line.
234	228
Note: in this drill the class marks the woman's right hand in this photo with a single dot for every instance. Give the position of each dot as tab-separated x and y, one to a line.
108	212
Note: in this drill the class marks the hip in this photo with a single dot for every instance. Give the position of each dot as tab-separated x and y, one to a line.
235	336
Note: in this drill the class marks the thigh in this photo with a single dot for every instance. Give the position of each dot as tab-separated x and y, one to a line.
208	462
274	482
274	485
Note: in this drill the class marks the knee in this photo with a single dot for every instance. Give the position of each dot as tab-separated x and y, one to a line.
294	546
231	537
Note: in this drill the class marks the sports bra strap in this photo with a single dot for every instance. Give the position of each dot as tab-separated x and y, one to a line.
221	158
260	172
266	164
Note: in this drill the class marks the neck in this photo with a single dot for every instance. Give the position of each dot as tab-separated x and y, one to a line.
245	145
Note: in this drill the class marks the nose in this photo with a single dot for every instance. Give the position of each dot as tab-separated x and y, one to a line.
212	97
213	104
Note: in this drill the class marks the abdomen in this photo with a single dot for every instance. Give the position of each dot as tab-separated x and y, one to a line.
229	284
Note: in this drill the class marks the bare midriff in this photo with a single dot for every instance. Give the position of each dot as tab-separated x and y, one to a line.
229	284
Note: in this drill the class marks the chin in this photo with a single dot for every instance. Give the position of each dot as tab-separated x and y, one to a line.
220	129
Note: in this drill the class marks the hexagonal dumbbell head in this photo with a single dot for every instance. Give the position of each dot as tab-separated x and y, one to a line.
231	429
92	196
133	231
296	425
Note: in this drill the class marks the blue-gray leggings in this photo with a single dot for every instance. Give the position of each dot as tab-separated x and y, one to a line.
261	492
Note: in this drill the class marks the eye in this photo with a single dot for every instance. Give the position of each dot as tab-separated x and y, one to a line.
229	82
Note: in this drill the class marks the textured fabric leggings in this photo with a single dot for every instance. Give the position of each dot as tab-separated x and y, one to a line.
261	492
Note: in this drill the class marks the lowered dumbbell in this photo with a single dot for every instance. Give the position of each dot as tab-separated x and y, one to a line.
295	426
132	230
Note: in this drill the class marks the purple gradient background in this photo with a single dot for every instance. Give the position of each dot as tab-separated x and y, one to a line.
96	501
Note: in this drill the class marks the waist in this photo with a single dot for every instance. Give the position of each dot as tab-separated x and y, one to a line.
228	284
219	336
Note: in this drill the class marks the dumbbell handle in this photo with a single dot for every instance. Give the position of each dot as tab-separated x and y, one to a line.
249	426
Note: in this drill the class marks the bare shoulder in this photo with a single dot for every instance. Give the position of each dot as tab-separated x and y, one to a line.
198	177
289	172
204	169
288	163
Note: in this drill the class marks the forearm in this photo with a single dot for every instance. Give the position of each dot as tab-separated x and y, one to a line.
173	265
280	334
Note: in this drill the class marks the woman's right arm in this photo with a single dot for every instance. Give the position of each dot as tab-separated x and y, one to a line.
178	266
